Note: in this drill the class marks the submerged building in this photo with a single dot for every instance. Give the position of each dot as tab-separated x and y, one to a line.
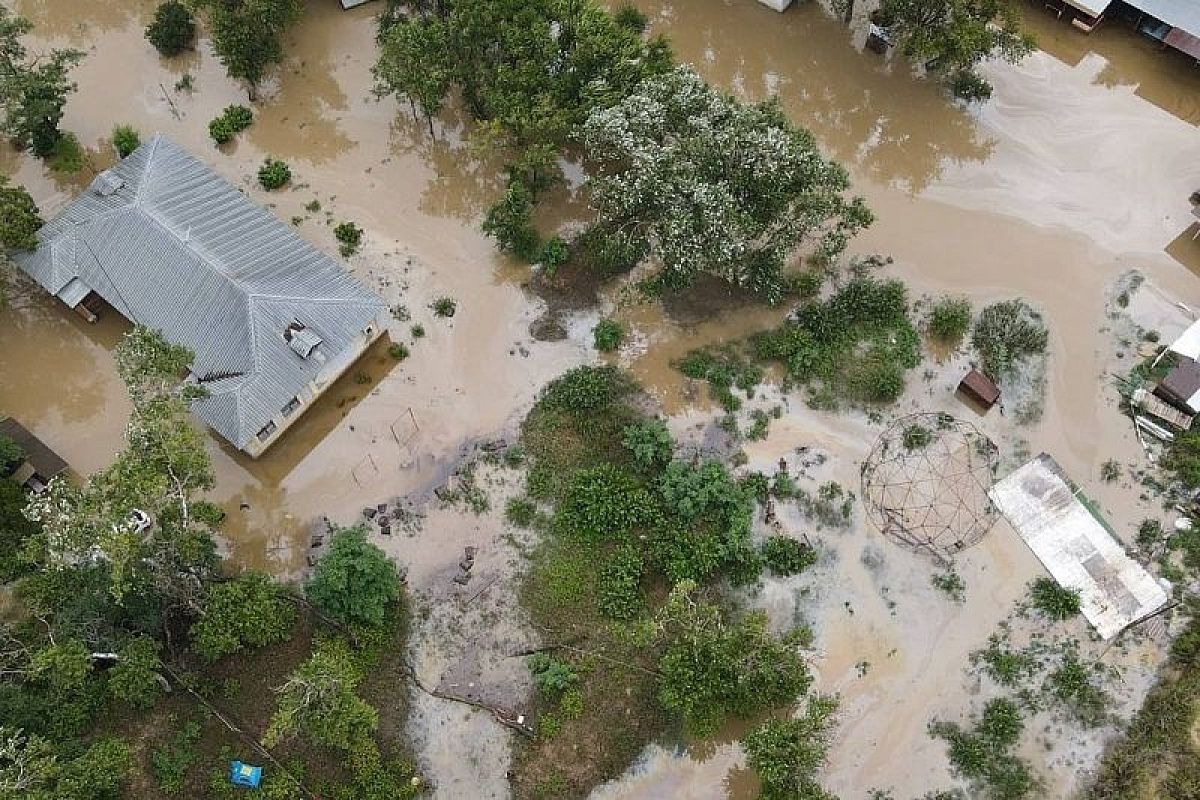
1175	23
171	245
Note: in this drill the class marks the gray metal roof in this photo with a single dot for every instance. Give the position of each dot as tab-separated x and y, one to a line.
173	246
1183	14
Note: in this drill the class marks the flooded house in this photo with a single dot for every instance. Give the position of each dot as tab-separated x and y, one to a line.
169	244
37	463
1174	23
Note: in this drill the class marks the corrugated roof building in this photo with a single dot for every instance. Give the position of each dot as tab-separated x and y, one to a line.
171	245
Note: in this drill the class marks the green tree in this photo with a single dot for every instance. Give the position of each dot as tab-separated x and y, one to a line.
949	318
355	583
712	669
19	218
248	35
135	677
15	530
31	768
788	754
140	521
249	611
125	140
318	701
173	29
33	90
707	184
416	63
953	36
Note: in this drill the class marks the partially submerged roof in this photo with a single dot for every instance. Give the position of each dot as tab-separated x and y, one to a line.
1183	14
1092	7
173	246
44	461
981	387
1188	343
1076	547
1182	384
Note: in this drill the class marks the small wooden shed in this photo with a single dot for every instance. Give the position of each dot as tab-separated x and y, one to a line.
980	388
40	463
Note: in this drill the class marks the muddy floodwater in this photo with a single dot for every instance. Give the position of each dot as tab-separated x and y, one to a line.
1076	172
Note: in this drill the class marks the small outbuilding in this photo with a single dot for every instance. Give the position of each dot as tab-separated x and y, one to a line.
245	775
980	388
1181	386
38	463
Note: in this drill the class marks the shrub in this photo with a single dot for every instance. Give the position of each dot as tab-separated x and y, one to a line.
784	555
604	503
916	437
1054	601
510	223
620	585
553	254
788	754
173	29
520	512
135	678
1071	683
951	583
398	351
1110	470
649	443
1005	665
171	762
232	121
67	155
607	335
125	140
983	755
274	174
349	237
1182	458
552	676
584	389
444	307
949	319
417	331
1005	333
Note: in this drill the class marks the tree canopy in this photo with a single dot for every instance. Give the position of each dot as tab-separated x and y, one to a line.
248	34
703	183
19	218
355	582
33	89
955	35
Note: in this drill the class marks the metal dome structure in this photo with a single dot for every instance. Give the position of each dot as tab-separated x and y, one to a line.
925	484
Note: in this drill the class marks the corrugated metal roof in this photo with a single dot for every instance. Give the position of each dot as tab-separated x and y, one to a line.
177	248
1176	13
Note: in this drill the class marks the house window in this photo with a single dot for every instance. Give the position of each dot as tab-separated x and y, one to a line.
291	406
266	431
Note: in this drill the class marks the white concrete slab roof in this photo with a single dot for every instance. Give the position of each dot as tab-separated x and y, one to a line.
1093	7
1076	547
1188	343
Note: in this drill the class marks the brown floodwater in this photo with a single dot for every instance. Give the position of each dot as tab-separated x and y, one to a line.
1077	171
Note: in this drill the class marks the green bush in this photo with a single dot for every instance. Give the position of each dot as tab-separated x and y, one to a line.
620	585
608	335
784	555
552	675
445	307
649	443
510	223
553	254
232	121
173	29
1054	601
398	351
349	237
916	437
585	389
949	319
520	512
417	331
788	754
984	755
274	174
248	611
171	762
604	503
125	140
630	17
951	583
1073	685
1182	458
67	155
1006	333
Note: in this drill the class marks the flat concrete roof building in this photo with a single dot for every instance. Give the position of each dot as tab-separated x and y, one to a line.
171	245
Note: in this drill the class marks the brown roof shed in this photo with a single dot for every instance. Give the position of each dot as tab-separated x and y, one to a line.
980	388
45	462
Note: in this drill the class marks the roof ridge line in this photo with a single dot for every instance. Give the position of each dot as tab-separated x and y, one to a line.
311	300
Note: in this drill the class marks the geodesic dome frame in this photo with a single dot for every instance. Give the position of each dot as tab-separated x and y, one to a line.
925	484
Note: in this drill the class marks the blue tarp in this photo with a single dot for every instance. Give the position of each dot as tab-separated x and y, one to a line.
244	774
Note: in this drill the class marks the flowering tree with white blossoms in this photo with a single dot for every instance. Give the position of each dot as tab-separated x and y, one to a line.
703	183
